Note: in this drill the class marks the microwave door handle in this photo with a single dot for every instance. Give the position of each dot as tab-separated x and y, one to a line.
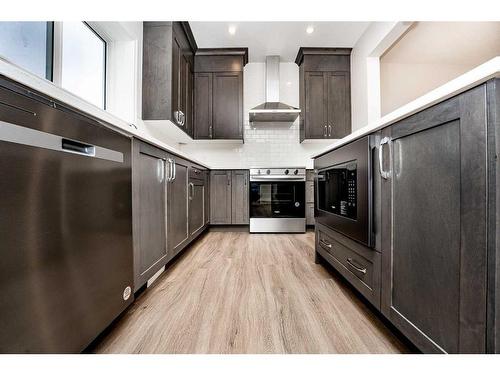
384	174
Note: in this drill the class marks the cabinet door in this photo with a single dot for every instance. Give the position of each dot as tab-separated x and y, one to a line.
203	105
207	197
316	108
434	226
227	109
220	197
339	104
149	211
176	79
196	206
239	197
178	231
188	88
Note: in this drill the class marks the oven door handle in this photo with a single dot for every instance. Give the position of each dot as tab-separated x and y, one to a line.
385	174
277	178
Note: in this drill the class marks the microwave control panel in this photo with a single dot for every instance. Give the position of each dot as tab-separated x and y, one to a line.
348	207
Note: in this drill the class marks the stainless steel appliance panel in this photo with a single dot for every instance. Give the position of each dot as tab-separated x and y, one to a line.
277	200
277	225
65	228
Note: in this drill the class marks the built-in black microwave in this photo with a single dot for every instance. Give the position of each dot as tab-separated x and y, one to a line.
343	187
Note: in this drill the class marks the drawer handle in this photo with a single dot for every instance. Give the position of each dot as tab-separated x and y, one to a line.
356	267
325	244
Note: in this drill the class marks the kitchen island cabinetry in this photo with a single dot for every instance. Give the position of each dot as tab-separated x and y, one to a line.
435	185
434	225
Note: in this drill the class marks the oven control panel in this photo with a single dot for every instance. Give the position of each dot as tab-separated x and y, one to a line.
291	173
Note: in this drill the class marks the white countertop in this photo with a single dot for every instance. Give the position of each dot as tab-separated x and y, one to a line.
48	88
474	77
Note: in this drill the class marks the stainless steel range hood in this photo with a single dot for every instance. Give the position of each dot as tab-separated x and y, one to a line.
273	110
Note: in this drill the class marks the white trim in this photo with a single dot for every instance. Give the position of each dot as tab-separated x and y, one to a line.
57	54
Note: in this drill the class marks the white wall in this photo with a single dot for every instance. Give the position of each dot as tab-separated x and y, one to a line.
124	80
365	70
266	145
431	54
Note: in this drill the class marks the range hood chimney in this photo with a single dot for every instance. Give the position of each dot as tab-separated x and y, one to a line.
273	110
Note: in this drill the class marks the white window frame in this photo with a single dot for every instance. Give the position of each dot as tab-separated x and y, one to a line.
57	57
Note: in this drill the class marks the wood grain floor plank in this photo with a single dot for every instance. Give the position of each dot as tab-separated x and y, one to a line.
235	292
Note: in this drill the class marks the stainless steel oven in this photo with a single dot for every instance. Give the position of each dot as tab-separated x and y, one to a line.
343	190
277	200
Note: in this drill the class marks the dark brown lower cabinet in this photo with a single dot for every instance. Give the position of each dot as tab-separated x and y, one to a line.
434	217
206	177
239	197
178	206
149	210
229	197
170	201
360	265
196	206
220	197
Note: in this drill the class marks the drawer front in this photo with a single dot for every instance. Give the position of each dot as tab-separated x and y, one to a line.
195	172
354	263
362	272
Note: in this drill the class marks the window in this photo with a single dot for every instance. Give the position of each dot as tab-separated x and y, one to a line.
29	45
83	62
71	54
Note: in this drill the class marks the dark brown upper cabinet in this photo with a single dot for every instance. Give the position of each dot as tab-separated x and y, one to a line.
167	73
325	92
218	93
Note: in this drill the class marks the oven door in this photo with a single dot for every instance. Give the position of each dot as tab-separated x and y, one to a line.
277	199
343	190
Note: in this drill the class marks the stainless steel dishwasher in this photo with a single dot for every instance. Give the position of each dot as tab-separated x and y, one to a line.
66	268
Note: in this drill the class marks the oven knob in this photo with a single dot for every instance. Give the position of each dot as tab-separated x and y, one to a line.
268	171
287	171
296	171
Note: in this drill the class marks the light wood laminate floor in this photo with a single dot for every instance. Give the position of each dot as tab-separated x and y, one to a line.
235	292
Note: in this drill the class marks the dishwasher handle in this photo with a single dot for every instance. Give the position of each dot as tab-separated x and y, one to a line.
77	147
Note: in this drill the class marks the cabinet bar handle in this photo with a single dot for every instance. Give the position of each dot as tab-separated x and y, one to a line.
350	261
325	244
191	191
161	170
174	172
384	174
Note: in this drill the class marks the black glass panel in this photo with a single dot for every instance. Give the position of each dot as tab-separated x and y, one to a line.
277	199
337	190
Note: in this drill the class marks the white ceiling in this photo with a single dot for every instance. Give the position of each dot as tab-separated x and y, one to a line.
276	38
